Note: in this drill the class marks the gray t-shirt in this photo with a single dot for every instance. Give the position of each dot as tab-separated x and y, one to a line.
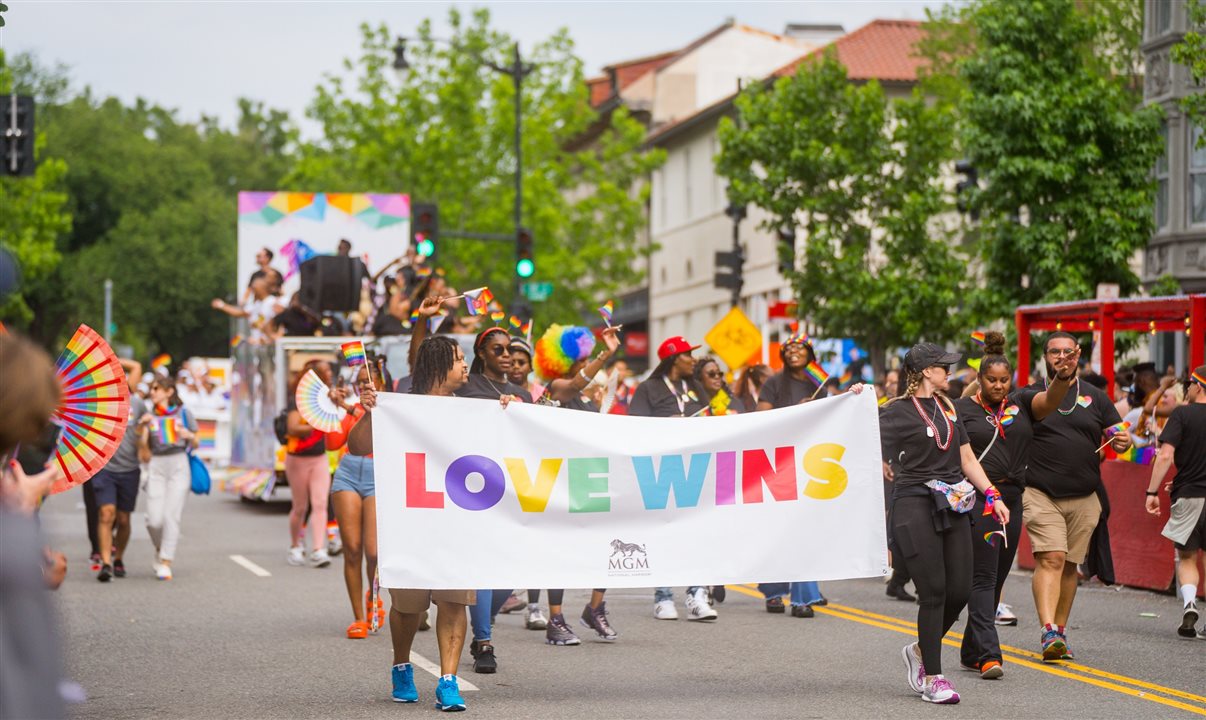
181	416
126	457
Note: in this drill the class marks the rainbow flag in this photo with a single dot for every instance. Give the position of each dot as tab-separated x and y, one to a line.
1113	430
990	536
846	379
497	316
479	300
816	372
414	317
978	338
1138	455
167	431
160	361
434	322
235	341
607	311
516	323
207	434
526	328
353	353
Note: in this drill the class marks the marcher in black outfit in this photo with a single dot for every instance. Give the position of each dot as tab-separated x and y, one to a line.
929	452
792	385
1000	425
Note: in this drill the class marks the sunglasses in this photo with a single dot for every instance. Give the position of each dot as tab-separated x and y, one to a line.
714	374
500	350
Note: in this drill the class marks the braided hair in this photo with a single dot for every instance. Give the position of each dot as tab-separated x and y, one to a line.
434	361
913	384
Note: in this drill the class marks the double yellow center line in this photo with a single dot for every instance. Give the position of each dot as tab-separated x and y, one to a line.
1123	684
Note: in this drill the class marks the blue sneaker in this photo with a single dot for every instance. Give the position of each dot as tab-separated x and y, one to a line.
404	684
448	695
1054	646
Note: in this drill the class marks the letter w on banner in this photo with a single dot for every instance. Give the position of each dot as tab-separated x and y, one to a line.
471	495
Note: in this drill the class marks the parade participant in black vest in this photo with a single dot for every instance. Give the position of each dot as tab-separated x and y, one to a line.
1000	424
792	385
1183	443
930	455
1060	502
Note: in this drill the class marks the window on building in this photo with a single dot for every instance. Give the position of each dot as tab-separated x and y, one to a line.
1197	178
1160	20
687	183
690	270
1162	182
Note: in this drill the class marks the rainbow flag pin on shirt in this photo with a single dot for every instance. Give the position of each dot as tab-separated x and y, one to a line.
353	353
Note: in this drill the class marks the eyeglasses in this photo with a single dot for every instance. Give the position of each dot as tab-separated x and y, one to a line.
500	350
714	374
1056	352
794	348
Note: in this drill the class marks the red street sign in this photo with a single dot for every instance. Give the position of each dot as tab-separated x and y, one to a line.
782	309
636	344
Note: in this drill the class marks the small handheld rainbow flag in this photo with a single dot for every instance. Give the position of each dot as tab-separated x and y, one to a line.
1138	455
607	311
816	372
167	431
353	353
479	300
978	338
235	341
1113	430
516	323
434	322
497	316
160	361
414	317
526	329
989	537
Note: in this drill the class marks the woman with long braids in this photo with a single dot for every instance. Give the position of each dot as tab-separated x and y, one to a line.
1000	425
930	456
563	360
440	370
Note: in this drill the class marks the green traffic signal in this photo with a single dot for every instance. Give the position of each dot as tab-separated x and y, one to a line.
425	247
525	268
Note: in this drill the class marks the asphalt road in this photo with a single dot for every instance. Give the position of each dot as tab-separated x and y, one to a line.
220	641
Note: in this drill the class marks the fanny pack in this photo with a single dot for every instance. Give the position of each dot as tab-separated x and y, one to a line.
960	497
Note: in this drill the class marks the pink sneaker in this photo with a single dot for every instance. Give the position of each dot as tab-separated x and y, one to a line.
940	691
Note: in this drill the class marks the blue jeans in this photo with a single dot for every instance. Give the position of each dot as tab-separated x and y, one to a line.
802	593
665	593
482	612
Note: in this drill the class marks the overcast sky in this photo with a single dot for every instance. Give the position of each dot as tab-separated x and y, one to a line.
200	56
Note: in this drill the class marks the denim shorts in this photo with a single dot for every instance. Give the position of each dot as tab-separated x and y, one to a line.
355	474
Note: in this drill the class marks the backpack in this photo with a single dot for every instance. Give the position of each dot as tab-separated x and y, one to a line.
280	426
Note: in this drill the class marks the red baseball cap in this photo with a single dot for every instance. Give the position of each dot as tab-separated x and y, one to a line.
674	346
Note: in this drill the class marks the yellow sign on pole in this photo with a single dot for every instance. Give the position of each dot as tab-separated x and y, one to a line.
735	338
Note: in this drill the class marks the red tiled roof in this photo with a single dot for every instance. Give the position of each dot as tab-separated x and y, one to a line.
600	90
880	50
630	71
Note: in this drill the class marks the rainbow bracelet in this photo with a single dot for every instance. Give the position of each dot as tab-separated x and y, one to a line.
991	496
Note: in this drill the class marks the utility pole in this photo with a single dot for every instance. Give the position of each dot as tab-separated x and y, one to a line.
108	311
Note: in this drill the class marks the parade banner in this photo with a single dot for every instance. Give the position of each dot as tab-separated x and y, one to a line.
472	495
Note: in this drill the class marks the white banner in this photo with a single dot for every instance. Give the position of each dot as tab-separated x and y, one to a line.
471	495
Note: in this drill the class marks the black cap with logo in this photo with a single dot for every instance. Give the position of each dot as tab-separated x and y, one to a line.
924	355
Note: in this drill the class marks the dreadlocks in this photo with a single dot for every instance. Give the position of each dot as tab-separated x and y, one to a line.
435	359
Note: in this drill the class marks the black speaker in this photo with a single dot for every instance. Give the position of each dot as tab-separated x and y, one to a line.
331	283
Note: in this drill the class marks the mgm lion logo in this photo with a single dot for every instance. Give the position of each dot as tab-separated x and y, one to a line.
626	549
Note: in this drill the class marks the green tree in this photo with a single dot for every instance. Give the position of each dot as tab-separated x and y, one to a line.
1191	52
445	135
1064	156
861	176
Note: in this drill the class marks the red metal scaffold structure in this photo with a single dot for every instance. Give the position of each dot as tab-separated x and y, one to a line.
1179	313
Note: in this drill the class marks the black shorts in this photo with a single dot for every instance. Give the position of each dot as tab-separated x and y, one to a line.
117	488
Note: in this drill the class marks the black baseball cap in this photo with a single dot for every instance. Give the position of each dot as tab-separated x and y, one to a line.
924	355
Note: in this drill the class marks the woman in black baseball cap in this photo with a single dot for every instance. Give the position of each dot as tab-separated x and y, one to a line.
929	454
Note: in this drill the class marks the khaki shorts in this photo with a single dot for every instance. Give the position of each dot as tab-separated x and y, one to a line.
1060	524
416	601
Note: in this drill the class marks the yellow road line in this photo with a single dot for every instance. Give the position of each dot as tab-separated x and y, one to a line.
886	622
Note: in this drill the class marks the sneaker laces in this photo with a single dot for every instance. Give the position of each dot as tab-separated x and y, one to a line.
940	683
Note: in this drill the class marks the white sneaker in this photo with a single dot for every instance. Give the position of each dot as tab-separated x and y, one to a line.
698	607
1005	615
162	572
297	556
334	545
320	559
665	610
534	618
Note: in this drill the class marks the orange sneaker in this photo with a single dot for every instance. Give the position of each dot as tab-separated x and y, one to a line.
358	630
991	670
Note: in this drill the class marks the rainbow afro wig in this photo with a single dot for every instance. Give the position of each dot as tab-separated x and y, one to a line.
559	348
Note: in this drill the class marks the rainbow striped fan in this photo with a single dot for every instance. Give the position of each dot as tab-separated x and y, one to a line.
94	408
315	406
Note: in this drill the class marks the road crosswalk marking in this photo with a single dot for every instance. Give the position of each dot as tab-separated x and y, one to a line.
255	569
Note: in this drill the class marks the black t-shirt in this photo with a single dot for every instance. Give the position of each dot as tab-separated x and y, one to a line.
1186	431
1063	457
914	456
1010	453
579	403
784	390
295	322
654	398
483	388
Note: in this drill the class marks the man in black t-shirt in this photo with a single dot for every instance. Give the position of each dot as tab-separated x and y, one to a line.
1183	442
1060	502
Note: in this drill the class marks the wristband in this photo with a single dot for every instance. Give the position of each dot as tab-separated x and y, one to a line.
582	375
1150	493
991	496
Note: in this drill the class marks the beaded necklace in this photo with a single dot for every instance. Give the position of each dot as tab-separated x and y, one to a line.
1075	396
932	428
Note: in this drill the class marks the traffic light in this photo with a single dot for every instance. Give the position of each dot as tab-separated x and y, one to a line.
17	143
728	270
525	261
967	187
425	230
787	251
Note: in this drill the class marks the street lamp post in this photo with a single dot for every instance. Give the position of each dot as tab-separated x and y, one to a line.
517	71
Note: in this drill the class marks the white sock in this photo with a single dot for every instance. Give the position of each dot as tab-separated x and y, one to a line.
1188	594
402	666
448	677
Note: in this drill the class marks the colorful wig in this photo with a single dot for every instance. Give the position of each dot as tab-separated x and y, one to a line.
559	348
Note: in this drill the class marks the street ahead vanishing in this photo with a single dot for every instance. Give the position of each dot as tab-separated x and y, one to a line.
238	633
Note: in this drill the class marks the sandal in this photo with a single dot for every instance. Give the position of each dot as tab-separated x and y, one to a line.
358	630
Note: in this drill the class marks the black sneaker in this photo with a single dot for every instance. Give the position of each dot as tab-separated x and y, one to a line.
483	658
822	602
105	573
596	619
802	611
119	569
559	633
899	592
774	605
718	593
1188	619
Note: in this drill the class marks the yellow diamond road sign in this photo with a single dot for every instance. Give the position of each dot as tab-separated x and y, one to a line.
735	338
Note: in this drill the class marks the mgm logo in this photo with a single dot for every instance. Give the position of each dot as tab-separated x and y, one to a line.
627	559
